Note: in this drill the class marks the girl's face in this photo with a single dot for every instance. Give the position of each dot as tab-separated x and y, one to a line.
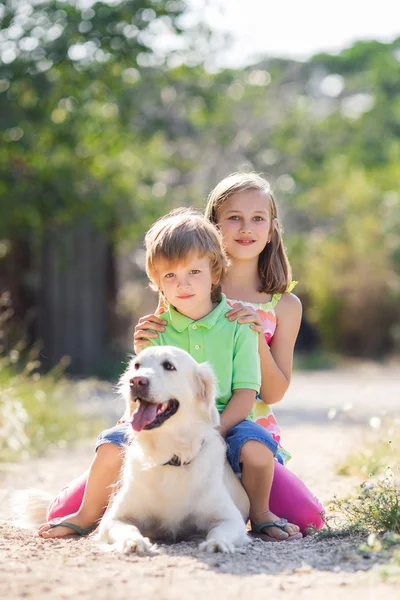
245	223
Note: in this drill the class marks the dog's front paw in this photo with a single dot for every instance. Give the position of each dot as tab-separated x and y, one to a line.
135	544
213	545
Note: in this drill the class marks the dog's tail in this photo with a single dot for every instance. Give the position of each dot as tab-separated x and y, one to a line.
29	507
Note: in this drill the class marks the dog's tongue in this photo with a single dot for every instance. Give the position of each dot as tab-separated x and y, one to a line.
143	415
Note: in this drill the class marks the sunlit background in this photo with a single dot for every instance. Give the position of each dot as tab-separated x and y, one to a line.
293	29
113	113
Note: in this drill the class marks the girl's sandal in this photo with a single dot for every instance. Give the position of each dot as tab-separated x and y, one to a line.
79	531
257	531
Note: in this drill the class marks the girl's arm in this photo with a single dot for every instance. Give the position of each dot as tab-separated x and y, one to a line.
147	328
237	409
277	361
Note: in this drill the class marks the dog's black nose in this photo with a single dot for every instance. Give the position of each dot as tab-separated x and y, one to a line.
139	381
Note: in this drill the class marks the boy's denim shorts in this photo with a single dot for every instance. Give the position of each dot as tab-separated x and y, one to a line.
236	437
242	433
118	435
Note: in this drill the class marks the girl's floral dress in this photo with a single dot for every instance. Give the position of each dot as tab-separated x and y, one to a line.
263	413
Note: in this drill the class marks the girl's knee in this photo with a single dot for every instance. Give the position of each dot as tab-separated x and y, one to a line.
255	454
109	455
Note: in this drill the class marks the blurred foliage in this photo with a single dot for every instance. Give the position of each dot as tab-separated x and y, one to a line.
41	411
70	104
98	118
380	451
36	411
315	360
34	414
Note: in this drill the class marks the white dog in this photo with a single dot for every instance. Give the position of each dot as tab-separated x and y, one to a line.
176	482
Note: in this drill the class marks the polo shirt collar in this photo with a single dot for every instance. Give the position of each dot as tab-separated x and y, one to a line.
180	322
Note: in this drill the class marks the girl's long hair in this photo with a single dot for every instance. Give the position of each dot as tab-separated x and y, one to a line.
273	264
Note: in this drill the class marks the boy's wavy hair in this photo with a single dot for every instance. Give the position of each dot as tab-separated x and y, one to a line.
273	264
175	236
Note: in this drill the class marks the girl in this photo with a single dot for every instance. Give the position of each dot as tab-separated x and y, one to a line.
258	287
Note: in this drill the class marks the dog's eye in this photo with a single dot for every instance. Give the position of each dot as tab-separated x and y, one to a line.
168	366
136	366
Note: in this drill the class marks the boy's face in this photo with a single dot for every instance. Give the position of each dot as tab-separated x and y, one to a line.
187	285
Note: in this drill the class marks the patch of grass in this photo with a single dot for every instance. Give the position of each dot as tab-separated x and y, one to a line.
36	411
330	532
366	463
372	513
382	450
379	535
374	509
390	572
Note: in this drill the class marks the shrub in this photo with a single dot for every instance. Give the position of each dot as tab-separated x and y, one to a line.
375	508
36	411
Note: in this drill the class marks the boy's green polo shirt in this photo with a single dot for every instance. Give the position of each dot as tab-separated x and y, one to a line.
230	348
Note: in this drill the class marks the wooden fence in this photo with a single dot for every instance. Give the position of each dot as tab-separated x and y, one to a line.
76	292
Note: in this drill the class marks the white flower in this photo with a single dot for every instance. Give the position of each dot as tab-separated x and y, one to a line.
375	422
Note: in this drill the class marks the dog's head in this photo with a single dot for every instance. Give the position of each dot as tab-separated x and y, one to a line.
164	384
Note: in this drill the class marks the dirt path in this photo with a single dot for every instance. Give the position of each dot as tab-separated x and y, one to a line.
34	569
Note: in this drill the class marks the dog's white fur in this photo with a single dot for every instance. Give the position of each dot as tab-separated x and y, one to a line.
165	502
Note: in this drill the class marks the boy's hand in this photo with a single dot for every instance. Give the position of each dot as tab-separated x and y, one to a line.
146	328
245	314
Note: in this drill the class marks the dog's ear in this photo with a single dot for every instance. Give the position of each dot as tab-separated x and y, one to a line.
207	390
124	390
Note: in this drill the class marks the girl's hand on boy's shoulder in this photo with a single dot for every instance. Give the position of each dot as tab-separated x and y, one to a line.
148	327
245	314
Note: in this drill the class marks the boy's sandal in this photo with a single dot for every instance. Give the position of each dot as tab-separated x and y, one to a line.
80	532
257	531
